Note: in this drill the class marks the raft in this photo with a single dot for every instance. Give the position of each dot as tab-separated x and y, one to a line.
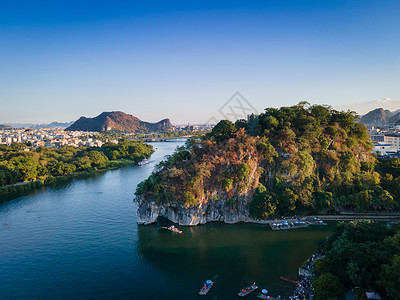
206	287
263	295
244	292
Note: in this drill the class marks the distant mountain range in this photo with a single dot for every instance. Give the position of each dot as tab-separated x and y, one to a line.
117	120
380	117
5	127
38	126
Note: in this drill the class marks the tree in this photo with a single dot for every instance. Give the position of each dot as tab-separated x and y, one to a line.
266	150
83	163
322	200
389	166
98	159
59	168
26	166
390	277
243	172
8	176
328	287
241	124
262	205
360	131
287	201
331	130
364	200
321	113
269	123
223	130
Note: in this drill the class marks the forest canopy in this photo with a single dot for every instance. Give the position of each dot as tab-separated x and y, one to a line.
18	163
361	254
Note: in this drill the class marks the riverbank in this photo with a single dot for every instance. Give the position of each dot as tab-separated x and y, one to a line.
387	217
31	185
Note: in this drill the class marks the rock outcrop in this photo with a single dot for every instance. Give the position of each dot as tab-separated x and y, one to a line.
211	211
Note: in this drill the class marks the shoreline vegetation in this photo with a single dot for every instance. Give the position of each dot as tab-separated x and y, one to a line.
23	168
360	256
299	160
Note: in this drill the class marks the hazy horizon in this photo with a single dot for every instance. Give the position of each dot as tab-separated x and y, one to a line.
184	61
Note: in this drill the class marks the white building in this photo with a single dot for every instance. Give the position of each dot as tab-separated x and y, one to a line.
383	149
392	139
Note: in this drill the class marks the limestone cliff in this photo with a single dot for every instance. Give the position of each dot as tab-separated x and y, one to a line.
222	211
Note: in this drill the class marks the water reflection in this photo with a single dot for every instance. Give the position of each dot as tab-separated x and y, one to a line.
237	254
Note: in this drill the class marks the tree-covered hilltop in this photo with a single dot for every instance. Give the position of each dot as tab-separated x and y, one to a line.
361	254
294	159
18	163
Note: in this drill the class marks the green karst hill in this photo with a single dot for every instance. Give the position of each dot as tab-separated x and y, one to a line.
298	159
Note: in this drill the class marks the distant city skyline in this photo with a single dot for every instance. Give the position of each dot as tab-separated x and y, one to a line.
183	61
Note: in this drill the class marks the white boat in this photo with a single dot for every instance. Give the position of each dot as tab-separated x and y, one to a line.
143	162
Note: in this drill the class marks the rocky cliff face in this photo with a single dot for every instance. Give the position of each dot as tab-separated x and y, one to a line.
221	211
227	203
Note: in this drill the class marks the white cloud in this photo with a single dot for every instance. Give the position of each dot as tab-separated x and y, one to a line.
380	101
364	107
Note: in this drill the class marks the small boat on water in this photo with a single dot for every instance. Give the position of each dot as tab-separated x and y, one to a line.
315	221
300	224
284	225
143	162
263	294
206	287
274	226
173	229
289	280
244	292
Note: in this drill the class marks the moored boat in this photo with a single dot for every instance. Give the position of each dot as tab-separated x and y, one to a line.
244	292
263	294
300	224
173	229
206	287
274	226
315	221
143	162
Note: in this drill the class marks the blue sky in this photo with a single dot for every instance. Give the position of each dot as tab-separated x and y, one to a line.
60	60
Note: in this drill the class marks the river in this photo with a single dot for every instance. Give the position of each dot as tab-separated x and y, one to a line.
80	239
